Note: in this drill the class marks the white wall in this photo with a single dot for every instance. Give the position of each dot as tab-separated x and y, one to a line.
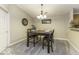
61	26
17	30
59	23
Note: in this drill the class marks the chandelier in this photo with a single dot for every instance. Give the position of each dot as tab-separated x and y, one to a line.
42	14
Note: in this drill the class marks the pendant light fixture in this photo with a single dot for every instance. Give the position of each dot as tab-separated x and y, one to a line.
42	13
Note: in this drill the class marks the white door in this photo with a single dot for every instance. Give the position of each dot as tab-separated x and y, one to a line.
3	29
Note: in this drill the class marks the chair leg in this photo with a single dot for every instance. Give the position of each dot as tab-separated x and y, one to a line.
51	46
27	42
53	40
34	41
48	46
43	44
37	37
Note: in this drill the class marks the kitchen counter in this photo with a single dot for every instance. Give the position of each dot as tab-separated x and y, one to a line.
74	29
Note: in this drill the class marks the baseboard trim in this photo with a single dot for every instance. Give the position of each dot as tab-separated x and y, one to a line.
70	43
16	42
60	38
3	49
25	39
75	48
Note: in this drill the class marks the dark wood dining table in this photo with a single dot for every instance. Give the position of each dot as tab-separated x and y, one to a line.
43	33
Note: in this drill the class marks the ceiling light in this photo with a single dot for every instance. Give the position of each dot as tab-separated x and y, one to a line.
42	14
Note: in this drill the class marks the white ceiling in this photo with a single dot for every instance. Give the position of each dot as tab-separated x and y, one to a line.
53	9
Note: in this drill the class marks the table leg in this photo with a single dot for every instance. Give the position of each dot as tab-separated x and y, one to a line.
27	42
48	46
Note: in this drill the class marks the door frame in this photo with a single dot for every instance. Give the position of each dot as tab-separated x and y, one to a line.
3	8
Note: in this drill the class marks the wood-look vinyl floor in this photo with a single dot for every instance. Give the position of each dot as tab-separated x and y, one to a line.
61	47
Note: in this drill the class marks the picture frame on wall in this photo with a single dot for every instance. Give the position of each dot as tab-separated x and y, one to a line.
24	21
46	21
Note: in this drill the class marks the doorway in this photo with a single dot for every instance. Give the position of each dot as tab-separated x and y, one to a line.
4	29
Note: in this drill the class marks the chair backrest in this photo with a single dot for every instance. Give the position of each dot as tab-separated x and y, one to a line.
31	32
33	27
52	33
28	32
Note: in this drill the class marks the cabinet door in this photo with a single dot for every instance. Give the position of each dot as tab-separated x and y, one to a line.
76	19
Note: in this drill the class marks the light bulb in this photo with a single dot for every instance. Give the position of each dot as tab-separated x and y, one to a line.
45	16
41	17
38	17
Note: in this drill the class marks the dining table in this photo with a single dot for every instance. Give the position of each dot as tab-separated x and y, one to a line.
43	33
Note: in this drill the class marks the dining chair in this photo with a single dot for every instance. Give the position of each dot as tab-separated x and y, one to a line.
49	37
31	37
